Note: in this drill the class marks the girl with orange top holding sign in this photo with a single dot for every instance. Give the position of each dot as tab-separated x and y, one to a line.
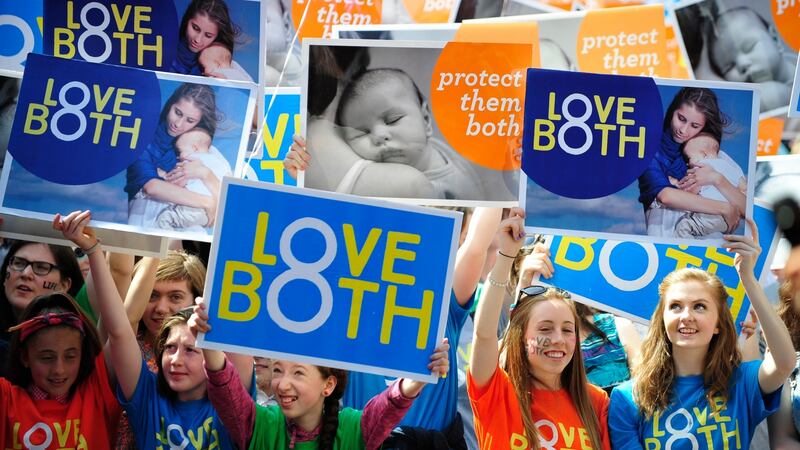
538	390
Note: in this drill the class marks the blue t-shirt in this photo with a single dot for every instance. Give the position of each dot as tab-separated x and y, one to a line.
159	423
687	424
435	408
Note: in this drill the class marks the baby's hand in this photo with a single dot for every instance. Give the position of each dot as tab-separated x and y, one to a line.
297	158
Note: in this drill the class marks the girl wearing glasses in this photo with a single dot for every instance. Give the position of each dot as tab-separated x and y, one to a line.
32	269
170	408
691	389
538	396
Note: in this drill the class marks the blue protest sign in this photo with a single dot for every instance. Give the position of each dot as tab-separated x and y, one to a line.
282	121
20	32
695	186
588	135
329	279
220	39
623	277
79	123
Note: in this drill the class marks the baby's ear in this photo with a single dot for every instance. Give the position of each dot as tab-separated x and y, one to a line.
427	116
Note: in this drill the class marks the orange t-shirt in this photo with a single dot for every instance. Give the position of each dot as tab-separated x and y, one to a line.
498	421
87	421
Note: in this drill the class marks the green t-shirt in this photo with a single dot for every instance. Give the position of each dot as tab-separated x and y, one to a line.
270	433
82	298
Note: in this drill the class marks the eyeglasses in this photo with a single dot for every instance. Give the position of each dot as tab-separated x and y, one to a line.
40	268
534	291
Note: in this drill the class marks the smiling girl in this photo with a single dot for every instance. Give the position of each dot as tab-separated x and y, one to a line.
691	389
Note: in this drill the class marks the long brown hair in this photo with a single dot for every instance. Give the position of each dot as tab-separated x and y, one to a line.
217	12
573	378
655	374
181	318
330	410
788	312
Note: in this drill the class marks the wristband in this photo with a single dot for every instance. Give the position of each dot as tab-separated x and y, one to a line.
496	283
92	249
507	256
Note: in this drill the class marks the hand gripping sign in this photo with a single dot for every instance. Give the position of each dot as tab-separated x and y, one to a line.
329	279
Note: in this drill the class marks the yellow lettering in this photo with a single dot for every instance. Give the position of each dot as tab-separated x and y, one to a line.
584	437
48	94
15	444
157	48
358	259
62	434
119	128
588	253
602	113
273	142
638	139
538	134
32	116
258	255
249	291
123	39
124	97
568	433
652	444
98	128
706	430
101	99
63	37
683	259
358	287
551	107
70	16
197	441
518	442
393	253
604	128
423	314
275	166
622	108
729	434
120	19
141	14
656	431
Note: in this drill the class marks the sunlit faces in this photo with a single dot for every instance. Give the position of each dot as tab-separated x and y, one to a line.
550	338
167	298
22	287
744	50
182	364
183	115
690	315
686	122
300	389
53	355
385	122
201	31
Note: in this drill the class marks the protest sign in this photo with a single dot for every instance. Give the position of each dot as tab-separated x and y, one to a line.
743	41
794	105
429	126
160	35
296	20
623	277
606	155
20	32
282	121
777	177
107	138
329	279
524	7
769	135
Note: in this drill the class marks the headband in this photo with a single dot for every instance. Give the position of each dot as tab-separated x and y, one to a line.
45	320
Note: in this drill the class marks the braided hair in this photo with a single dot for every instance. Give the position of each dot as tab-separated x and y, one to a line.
330	408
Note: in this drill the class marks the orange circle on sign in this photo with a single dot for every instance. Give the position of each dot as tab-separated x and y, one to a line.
624	41
769	136
430	11
478	101
786	15
322	15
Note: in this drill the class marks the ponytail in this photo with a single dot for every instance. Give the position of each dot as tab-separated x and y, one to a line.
330	409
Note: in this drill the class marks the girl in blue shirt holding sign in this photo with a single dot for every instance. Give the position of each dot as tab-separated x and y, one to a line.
171	408
691	388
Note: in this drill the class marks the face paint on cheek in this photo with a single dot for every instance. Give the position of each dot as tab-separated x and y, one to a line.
537	346
49	285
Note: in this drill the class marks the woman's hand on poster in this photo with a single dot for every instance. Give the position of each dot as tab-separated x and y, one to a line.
298	158
511	232
697	176
746	249
75	228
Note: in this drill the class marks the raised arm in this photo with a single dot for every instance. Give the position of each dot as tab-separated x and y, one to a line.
471	256
483	361
780	359
123	356
140	290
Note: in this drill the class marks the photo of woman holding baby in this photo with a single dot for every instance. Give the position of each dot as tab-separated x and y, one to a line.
207	40
162	191
693	189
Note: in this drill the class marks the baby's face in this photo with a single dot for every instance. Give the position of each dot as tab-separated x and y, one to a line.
700	148
192	142
386	123
214	57
744	50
